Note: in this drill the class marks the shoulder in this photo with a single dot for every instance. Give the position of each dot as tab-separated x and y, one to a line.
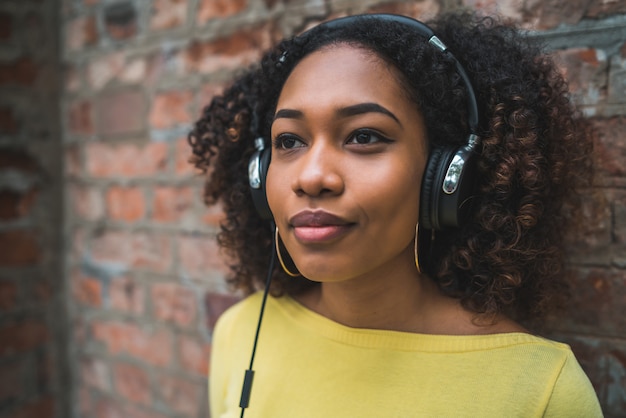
573	395
238	315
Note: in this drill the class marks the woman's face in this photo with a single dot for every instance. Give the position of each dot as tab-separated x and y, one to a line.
348	154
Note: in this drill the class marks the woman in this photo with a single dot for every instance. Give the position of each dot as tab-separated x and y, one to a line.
415	190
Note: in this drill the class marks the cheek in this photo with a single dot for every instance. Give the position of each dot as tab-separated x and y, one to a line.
275	189
390	193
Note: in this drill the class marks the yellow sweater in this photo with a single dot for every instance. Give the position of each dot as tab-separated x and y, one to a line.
309	366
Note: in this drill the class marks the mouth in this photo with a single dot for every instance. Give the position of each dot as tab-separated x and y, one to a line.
318	226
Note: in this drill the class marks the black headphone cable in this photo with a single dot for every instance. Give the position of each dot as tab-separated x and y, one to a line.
249	375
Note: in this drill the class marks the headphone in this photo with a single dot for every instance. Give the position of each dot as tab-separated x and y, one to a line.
448	180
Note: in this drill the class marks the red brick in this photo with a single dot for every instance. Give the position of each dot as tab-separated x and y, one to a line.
215	304
101	70
422	10
170	109
33	29
23	336
125	203
126	295
610	146
19	248
180	395
172	204
215	9
85	403
21	72
120	20
271	3
552	13
120	337
167	14
132	382
238	50
87	202
80	118
11	380
43	291
18	160
183	154
602	8
207	92
8	297
95	373
619	210
77	250
121	112
213	215
81	32
586	70
8	122
41	408
72	78
194	355
174	303
86	290
595	233
126	160
134	71
112	408
139	250
598	305
6	26
15	205
72	160
200	257
116	66
79	331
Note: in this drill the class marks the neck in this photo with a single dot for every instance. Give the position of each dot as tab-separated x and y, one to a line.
398	299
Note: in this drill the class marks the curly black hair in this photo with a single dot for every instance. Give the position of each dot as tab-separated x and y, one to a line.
535	155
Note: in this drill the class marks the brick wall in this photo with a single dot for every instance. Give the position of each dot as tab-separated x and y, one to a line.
33	373
143	273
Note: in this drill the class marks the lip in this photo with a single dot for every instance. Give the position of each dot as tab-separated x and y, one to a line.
318	226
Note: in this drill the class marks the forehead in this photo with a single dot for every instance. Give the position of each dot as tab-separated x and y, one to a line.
342	72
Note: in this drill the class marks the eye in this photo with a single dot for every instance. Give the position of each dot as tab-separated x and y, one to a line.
287	141
366	137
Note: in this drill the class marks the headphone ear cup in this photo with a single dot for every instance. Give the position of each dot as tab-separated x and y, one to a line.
259	195
447	187
430	185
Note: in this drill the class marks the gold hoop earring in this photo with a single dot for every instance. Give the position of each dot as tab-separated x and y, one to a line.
416	249
280	258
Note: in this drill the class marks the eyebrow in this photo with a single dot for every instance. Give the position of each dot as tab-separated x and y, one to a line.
353	110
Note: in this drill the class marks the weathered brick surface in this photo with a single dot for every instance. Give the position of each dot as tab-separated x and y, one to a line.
126	295
610	147
194	355
132	382
19	247
181	396
120	112
150	346
125	160
215	9
167	14
174	303
125	203
145	276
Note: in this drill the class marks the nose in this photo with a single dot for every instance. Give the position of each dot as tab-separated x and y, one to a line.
319	172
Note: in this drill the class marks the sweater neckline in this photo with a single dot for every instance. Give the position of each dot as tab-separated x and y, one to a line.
313	322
